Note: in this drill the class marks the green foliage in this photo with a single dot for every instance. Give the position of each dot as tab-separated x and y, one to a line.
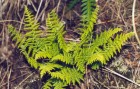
87	7
66	61
72	3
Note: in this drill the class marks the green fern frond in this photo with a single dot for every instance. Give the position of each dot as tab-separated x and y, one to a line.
70	46
48	67
55	28
87	8
110	47
16	35
61	41
72	3
68	75
42	54
48	84
66	58
59	85
55	84
33	62
80	64
96	65
87	27
103	38
115	45
48	51
52	22
96	57
81	58
31	23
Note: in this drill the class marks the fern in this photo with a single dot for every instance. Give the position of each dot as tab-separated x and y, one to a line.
87	7
15	34
48	67
31	23
48	85
87	26
66	62
59	85
66	58
68	75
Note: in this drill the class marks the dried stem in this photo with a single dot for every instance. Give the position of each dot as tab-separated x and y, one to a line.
133	21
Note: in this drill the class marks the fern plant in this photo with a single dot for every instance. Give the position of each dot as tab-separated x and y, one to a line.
66	61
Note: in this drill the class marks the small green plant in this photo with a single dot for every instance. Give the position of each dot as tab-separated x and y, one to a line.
65	61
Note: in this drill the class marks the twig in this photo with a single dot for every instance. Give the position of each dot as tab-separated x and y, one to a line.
57	8
4	76
20	27
24	80
31	2
74	40
38	9
8	85
122	76
1	10
133	21
101	83
46	5
13	79
2	21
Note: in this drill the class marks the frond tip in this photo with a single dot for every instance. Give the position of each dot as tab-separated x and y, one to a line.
87	8
31	23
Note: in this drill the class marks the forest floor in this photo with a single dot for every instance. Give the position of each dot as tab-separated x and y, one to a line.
122	72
